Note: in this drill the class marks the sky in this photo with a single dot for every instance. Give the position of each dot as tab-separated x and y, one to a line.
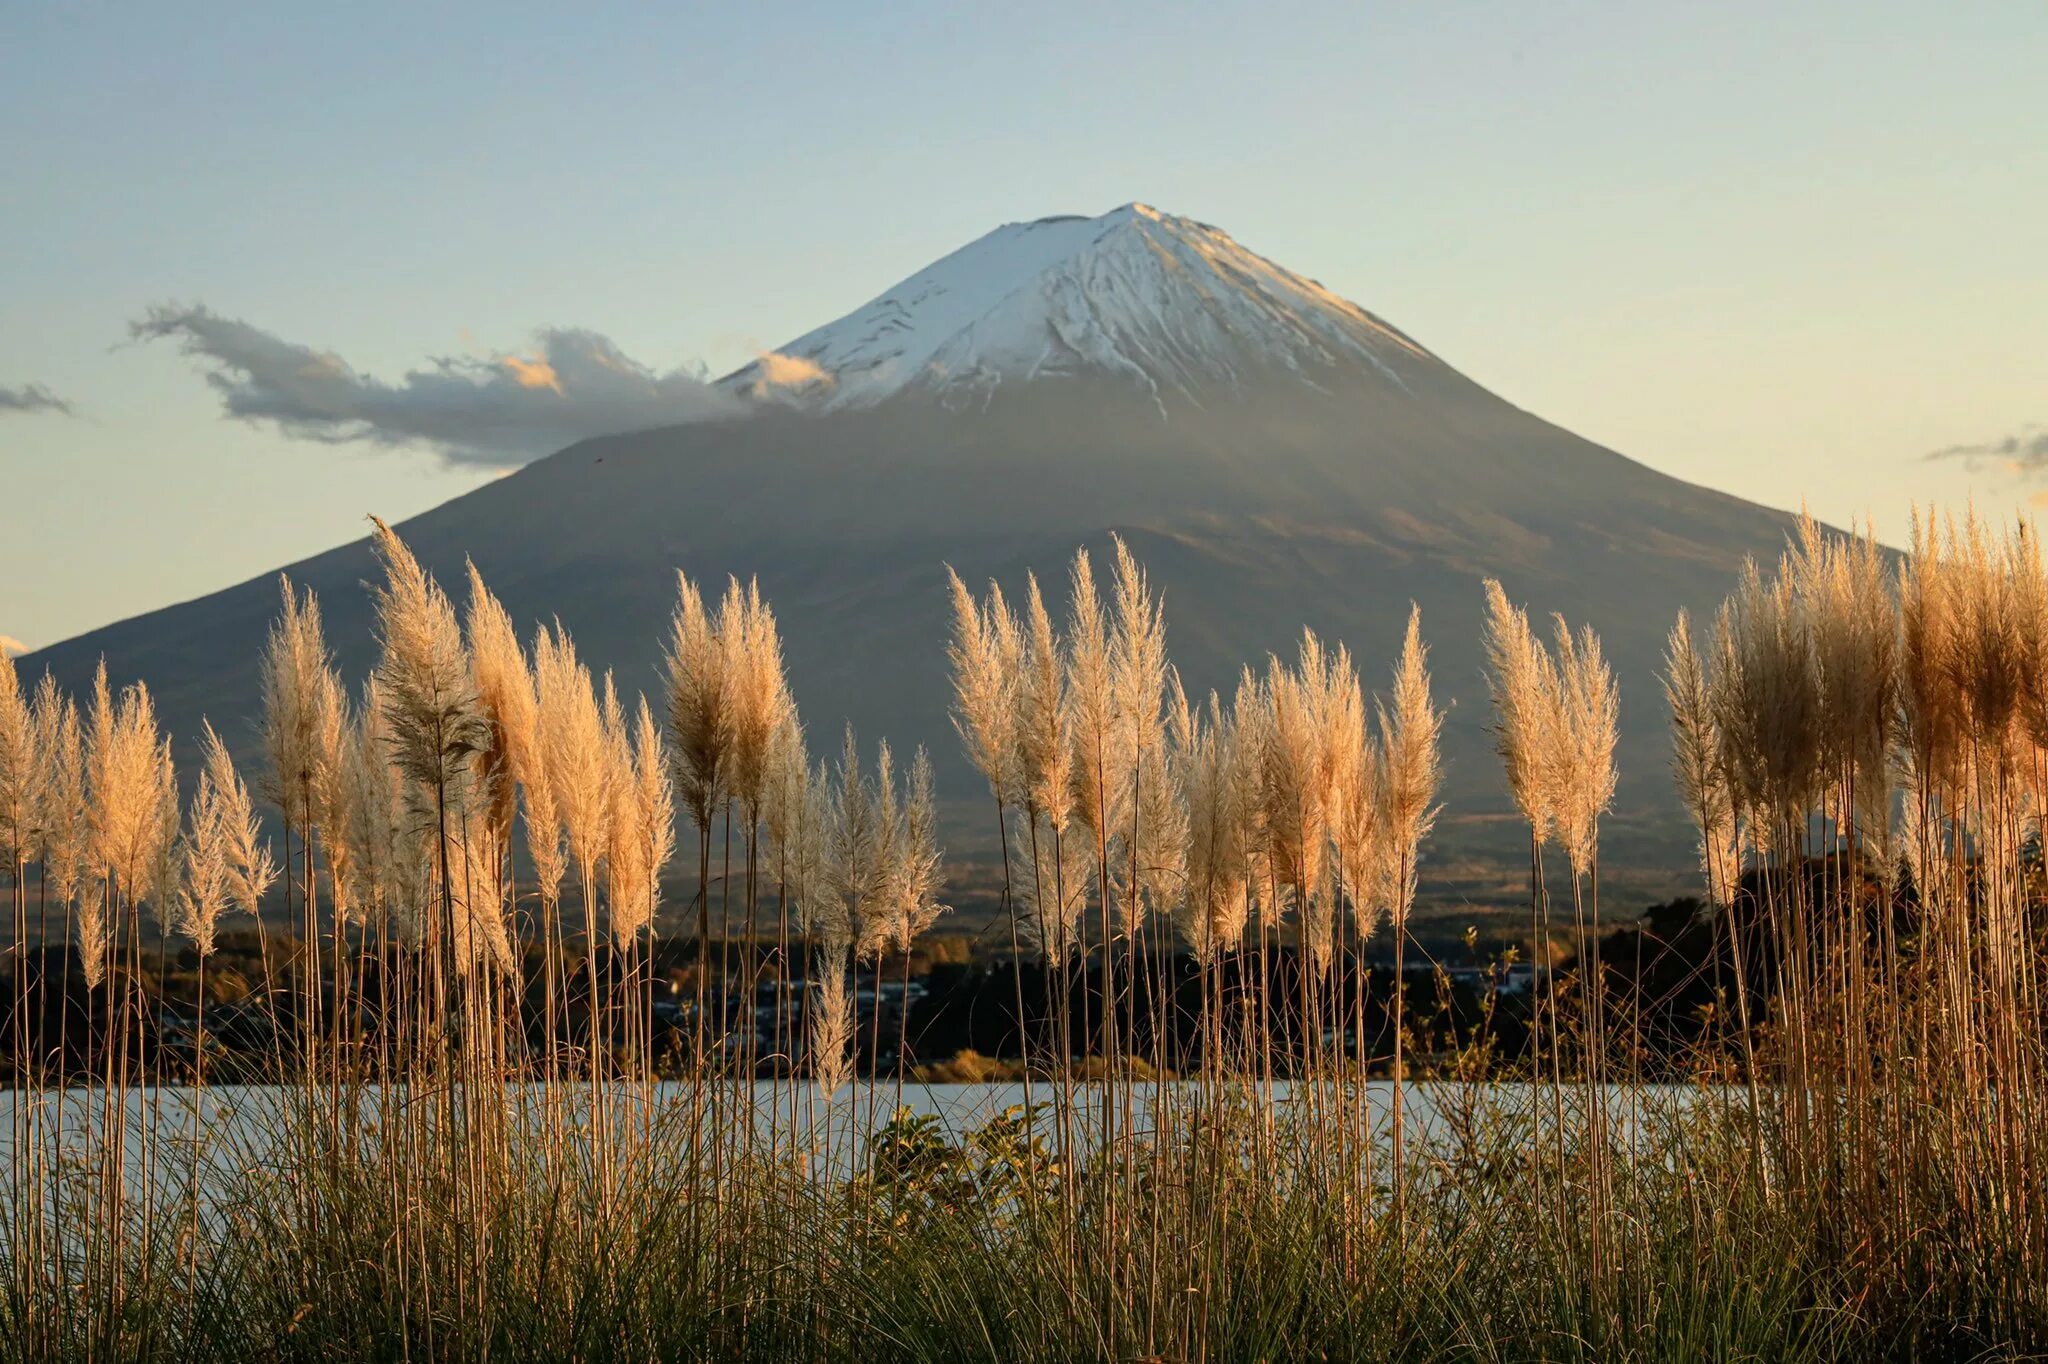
1790	252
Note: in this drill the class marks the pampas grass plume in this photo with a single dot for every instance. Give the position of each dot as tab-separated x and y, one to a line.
1411	768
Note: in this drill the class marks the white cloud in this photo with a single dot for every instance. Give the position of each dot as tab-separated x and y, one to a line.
775	370
498	410
11	646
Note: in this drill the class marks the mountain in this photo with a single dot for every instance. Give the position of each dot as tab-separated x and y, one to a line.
1172	306
1276	456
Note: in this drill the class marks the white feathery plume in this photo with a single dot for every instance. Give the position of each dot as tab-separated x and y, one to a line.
92	941
166	875
435	729
47	710
204	894
699	727
1250	720
341	839
642	817
860	871
572	734
1696	762
93	937
919	860
831	1024
1212	911
18	769
249	870
543	824
784	792
504	692
131	781
1358	830
1043	743
299	691
757	701
1157	837
984	688
1590	704
877	916
1137	661
655	797
1297	774
1410	768
423	678
64	804
1524	687
1007	640
1091	699
625	861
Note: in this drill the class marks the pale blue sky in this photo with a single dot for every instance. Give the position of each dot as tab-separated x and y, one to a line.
1782	250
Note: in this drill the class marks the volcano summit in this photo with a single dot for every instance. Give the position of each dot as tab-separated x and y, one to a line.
1173	306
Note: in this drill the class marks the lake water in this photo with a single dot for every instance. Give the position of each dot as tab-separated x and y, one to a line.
236	1121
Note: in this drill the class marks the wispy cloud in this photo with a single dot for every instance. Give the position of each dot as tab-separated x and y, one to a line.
32	398
2024	453
496	410
773	370
11	646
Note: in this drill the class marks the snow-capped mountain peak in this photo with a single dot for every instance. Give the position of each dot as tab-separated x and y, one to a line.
1172	305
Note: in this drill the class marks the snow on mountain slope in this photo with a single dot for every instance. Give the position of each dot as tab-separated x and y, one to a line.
1171	304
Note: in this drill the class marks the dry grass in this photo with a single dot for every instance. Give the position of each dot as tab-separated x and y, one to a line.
1859	1171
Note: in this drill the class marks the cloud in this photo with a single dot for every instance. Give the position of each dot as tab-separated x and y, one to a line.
533	374
11	646
773	369
2023	453
32	398
497	410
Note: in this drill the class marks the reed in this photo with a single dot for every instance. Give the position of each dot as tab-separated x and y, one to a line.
457	1137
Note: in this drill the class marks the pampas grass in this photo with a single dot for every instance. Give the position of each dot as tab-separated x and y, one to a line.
301	726
985	687
19	772
1410	726
62	754
1212	914
1860	749
132	779
699	725
434	724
